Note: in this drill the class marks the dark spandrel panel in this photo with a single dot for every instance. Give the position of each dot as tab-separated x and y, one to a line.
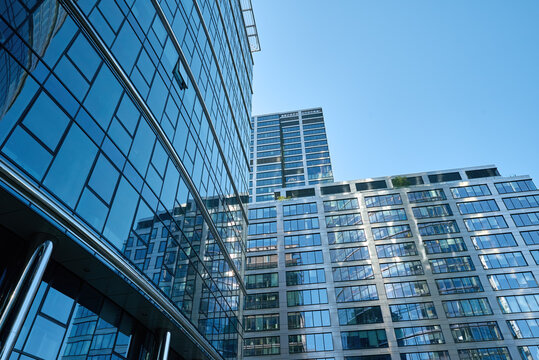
482	173
437	178
335	189
371	185
407	181
300	193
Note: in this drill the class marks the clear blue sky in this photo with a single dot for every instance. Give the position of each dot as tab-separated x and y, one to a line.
407	86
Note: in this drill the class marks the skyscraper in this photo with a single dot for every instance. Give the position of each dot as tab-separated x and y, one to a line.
288	149
124	133
437	265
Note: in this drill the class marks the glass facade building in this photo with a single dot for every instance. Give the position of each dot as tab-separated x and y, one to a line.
288	149
124	161
429	266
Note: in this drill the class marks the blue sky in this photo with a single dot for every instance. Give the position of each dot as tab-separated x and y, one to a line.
407	86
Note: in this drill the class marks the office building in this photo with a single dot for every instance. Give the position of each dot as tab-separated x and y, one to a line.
124	160
429	266
288	149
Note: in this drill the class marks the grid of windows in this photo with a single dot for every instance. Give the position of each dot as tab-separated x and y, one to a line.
261	322
262	213
519	303
484	354
383	200
452	264
485	223
349	254
428	355
530	352
260	346
413	311
391	232
262	301
260	281
341	204
310	342
503	260
308	319
521	202
363	339
295	241
262	228
530	237
307	297
524	329
475	207
405	268
396	250
527	219
426	196
438	228
299	209
261	262
419	335
303	277
356	293
470	191
261	244
467	307
407	289
301	224
441	246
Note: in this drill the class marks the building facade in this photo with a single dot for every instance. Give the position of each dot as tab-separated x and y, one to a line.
124	161
288	149
430	266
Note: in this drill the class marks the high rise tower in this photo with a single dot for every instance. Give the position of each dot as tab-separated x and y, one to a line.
124	133
288	149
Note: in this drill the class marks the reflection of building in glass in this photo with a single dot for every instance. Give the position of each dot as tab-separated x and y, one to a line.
124	129
439	266
288	149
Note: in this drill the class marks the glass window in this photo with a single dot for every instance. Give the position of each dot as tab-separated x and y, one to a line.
387	216
419	335
452	264
521	280
475	207
299	209
471	332
262	213
356	293
350	273
363	339
262	301
349	254
524	329
343	220
383	200
300	224
530	352
304	258
432	211
262	228
261	262
269	345
259	281
438	228
407	289
308	319
396	250
467	307
360	315
306	297
404	268
304	277
428	355
515	186
530	237
441	246
502	260
521	202
426	196
310	342
341	204
527	219
519	303
470	191
347	236
295	241
485	354
261	322
460	285
413	311
492	241
391	232
261	244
